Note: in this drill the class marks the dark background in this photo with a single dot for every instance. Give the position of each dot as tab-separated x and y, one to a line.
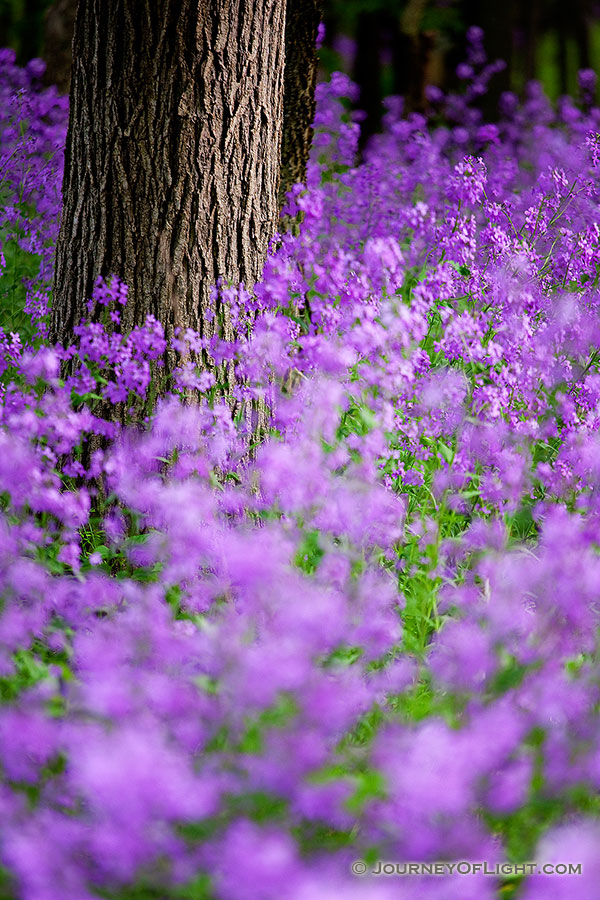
399	46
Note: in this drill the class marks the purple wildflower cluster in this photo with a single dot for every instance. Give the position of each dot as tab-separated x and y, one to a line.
32	137
378	638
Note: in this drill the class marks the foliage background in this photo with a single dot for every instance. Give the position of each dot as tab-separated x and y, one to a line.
544	39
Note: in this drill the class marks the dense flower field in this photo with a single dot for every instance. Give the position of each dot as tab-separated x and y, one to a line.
376	638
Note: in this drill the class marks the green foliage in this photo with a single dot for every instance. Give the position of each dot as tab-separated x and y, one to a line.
22	26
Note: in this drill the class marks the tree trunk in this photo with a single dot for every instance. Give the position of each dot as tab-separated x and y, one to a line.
302	23
58	36
172	158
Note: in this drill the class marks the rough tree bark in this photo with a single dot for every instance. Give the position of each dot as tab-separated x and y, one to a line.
172	156
301	27
174	153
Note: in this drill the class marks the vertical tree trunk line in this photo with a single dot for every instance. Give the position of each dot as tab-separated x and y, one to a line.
188	123
59	22
172	156
300	78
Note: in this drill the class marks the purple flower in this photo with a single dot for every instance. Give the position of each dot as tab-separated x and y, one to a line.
587	80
